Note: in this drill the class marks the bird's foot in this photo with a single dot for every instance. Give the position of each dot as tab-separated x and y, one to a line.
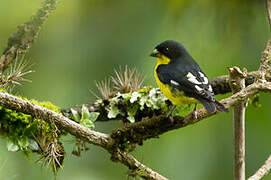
170	117
194	113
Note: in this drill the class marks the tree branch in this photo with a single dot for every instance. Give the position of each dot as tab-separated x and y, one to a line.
268	7
21	41
221	84
135	165
79	131
264	63
264	69
39	112
264	170
237	83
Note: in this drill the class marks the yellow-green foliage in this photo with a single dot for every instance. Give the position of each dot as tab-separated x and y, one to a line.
21	129
46	104
28	134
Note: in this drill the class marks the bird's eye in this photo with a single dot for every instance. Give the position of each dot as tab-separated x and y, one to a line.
167	49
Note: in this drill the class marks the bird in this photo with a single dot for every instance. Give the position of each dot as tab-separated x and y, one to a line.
181	80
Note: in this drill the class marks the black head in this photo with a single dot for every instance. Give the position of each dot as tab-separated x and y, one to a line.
170	49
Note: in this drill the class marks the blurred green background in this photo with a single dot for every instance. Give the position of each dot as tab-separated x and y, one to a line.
85	39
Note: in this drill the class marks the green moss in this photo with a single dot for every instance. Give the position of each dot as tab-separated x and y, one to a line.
27	134
46	104
2	89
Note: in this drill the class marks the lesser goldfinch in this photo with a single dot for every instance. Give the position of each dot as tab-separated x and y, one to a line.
180	78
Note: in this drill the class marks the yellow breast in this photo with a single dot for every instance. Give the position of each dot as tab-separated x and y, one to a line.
176	97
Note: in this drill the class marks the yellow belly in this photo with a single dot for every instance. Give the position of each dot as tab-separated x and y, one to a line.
176	97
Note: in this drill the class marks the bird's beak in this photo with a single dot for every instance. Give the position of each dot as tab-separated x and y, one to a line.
155	53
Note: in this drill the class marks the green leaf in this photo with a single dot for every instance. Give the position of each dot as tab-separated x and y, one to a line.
12	146
85	113
134	97
131	119
132	112
87	123
33	145
23	142
88	118
93	116
255	101
75	115
113	111
143	100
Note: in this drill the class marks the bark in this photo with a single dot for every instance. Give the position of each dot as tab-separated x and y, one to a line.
237	83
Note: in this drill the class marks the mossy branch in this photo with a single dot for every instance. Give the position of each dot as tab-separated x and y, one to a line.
93	137
27	33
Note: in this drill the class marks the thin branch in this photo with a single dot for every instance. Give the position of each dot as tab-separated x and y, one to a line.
221	84
268	7
93	137
264	170
136	166
237	83
264	63
21	41
263	69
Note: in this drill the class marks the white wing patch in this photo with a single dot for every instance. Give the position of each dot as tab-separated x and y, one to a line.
192	78
210	88
174	83
198	88
204	78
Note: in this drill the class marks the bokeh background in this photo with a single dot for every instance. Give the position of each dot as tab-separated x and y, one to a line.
84	40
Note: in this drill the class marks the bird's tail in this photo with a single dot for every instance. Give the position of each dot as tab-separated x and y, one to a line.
212	107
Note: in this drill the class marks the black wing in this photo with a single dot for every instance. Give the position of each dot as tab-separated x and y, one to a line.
189	79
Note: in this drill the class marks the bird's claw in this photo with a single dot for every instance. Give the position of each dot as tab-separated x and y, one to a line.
170	117
195	114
